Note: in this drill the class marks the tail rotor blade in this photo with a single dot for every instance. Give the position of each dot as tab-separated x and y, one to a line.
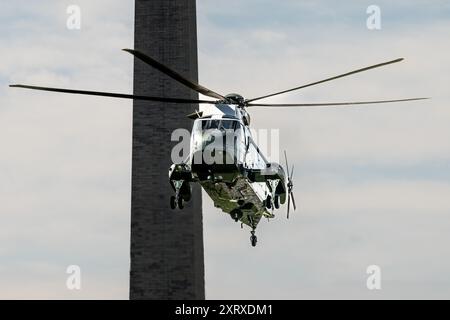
289	205
293	201
287	164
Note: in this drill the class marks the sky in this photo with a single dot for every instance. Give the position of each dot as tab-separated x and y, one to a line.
372	183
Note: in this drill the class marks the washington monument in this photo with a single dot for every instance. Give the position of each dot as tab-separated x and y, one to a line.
166	246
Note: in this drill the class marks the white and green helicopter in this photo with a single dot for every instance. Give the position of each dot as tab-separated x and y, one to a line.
224	157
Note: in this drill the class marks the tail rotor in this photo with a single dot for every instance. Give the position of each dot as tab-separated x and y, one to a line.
290	186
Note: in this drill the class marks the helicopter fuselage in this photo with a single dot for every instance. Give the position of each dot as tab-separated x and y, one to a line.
229	166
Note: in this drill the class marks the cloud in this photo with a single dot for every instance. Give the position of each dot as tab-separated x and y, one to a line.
65	161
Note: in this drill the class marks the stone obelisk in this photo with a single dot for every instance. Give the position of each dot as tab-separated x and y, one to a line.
166	245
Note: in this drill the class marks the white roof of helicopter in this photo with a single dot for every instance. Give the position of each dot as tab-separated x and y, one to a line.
220	109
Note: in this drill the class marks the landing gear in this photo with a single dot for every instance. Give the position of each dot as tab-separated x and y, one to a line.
173	202
253	238
272	203
177	199
236	215
276	202
176	203
273	200
269	202
180	203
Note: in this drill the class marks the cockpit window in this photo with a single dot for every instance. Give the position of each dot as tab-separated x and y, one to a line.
219	124
219	133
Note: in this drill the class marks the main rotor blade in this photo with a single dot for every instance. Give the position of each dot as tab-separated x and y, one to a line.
174	75
112	95
330	104
329	79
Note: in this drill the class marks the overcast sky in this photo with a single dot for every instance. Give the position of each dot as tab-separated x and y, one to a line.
372	183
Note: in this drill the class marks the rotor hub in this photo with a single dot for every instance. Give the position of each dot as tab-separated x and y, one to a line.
235	98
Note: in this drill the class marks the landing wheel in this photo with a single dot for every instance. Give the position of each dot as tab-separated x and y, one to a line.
236	215
180	203
253	239
173	202
269	202
277	202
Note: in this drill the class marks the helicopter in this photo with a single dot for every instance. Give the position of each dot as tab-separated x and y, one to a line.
224	157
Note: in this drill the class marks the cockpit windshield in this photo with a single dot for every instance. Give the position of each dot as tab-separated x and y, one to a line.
223	134
220	124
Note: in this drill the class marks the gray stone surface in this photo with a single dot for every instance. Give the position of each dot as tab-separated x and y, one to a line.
166	246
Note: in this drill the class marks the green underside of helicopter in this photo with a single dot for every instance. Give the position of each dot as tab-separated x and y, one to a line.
237	199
